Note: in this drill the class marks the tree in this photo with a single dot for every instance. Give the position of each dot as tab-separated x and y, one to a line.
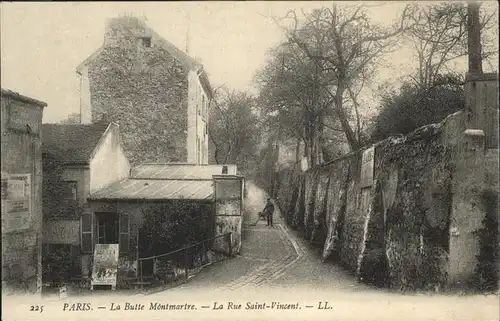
441	33
233	127
411	107
346	45
292	100
354	45
439	37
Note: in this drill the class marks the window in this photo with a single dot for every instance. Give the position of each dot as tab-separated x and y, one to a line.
105	228
146	42
69	190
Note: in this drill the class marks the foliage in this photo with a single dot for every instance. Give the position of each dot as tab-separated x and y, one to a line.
486	273
54	206
147	95
174	224
72	119
57	265
234	128
412	107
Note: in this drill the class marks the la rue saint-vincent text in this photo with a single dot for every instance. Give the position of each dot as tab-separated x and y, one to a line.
273	305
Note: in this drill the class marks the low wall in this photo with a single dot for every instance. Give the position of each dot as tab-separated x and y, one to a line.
387	213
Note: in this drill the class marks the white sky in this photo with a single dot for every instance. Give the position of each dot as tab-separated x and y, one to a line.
42	43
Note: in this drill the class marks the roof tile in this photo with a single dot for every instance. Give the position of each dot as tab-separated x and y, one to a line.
71	143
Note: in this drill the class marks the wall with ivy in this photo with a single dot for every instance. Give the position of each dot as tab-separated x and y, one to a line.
396	232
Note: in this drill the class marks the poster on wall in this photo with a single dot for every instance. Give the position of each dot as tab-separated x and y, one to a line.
16	202
105	266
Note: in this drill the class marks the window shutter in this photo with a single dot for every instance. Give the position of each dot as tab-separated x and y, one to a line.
124	232
87	235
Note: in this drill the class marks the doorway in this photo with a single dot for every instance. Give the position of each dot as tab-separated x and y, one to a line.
107	228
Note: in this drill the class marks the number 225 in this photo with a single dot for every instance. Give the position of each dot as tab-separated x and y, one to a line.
36	308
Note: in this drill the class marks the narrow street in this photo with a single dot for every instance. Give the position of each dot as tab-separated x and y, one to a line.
270	256
274	264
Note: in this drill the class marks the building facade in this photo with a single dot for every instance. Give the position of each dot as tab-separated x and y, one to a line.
78	159
21	120
157	93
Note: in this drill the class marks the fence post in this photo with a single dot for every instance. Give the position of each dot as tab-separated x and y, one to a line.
186	264
142	283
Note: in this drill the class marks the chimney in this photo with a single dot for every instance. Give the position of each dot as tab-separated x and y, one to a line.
85	106
124	31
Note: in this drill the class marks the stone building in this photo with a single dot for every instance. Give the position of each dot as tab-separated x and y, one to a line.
91	196
157	93
78	160
21	120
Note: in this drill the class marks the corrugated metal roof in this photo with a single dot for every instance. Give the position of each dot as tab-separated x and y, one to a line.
179	171
131	189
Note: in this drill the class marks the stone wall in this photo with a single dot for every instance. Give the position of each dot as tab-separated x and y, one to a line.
405	219
144	90
21	156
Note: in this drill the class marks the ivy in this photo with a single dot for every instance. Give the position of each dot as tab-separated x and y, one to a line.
55	206
486	273
175	224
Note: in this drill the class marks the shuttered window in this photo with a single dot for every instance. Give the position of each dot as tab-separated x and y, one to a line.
87	235
124	232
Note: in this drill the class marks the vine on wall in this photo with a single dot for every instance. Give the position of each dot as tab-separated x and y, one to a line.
175	224
486	276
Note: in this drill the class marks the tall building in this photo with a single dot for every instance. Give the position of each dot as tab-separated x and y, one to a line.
157	93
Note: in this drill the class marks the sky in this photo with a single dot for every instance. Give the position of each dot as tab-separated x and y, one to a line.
43	42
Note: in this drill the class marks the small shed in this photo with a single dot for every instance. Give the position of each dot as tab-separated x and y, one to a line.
120	212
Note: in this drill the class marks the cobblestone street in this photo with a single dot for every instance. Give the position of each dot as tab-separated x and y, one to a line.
270	257
275	264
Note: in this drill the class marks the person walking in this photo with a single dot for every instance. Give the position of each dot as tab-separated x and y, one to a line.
269	211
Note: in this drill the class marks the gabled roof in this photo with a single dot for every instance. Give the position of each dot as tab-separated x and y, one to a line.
187	61
72	144
180	55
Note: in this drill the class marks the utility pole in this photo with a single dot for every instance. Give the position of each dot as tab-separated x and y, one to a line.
188	25
474	38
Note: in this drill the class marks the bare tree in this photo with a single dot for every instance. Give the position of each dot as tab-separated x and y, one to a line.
439	36
292	99
346	45
233	126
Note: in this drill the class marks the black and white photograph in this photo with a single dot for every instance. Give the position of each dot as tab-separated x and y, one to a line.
250	160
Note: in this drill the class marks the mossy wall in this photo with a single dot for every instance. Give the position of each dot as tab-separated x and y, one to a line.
395	232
